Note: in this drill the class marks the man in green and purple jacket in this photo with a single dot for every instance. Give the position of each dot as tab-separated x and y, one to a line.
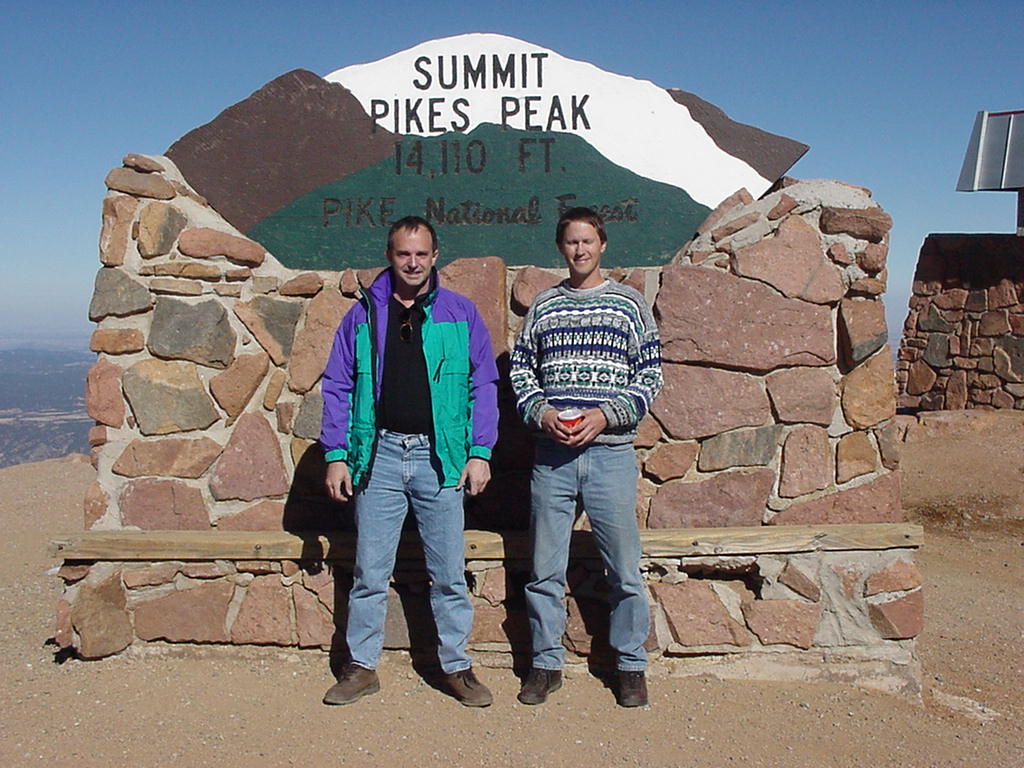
410	418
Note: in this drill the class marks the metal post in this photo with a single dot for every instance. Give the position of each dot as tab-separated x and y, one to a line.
1020	213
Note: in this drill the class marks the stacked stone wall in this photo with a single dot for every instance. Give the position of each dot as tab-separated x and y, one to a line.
778	400
778	408
963	339
849	609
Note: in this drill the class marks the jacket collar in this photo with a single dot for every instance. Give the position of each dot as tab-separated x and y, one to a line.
380	290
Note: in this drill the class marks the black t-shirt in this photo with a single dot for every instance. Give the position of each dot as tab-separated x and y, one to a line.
405	392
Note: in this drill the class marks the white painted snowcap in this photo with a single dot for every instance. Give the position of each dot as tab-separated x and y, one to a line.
633	123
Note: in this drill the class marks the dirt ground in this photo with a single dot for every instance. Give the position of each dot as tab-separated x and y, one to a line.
239	708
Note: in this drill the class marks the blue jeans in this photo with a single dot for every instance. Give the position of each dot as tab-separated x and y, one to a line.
604	478
403	474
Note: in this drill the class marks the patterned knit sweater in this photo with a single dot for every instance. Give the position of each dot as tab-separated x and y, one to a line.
588	348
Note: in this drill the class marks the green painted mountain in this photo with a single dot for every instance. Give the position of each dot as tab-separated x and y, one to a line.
491	192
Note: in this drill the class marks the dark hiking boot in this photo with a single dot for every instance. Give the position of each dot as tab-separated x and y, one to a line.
469	691
354	682
632	690
538	684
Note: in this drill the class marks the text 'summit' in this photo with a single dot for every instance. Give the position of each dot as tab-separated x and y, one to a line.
469	78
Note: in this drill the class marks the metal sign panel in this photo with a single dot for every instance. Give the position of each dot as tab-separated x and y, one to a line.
994	160
487	137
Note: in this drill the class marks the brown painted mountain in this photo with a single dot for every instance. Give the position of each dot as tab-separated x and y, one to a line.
294	134
491	192
769	154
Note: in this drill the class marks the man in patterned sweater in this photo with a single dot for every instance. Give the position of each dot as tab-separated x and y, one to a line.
592	345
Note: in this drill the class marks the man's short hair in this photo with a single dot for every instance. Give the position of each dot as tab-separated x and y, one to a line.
411	224
587	216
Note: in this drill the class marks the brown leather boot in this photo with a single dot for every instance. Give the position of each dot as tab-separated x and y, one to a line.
354	682
469	691
632	689
538	684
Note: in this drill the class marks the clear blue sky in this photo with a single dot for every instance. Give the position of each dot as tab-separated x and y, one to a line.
884	93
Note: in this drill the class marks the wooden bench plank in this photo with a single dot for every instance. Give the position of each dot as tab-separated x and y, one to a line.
480	545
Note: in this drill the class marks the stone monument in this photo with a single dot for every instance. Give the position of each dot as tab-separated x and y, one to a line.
769	496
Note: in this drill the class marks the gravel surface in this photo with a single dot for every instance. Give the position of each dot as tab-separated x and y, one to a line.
240	707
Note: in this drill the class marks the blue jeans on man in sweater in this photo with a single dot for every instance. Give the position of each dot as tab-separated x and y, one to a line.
604	478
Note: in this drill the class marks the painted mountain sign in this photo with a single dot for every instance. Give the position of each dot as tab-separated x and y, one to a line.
487	137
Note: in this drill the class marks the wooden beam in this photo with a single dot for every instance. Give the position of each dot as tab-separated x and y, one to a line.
480	545
780	539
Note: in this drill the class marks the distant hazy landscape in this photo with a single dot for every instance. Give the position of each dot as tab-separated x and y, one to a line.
42	404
